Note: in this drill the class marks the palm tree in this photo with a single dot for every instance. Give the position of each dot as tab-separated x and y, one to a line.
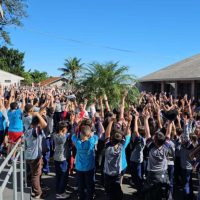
72	68
109	78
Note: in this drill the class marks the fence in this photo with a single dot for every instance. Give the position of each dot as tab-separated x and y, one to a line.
18	151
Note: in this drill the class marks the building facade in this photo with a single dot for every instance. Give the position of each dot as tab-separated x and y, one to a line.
7	79
55	82
177	79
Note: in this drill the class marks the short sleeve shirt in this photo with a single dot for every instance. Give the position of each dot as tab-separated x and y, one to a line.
124	161
15	120
113	159
137	153
157	157
85	155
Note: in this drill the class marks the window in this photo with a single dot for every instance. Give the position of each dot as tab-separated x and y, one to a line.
7	81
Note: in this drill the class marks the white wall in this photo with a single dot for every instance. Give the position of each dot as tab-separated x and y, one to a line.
5	77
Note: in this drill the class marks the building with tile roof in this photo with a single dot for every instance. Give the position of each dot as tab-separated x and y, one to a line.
178	79
54	82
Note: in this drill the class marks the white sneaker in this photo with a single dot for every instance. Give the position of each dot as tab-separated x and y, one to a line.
62	196
75	188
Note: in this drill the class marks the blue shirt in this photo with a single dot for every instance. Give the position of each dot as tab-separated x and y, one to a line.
1	121
15	119
124	162
85	155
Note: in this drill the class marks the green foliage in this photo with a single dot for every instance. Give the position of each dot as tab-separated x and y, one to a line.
133	95
14	12
12	61
38	76
71	70
109	78
27	78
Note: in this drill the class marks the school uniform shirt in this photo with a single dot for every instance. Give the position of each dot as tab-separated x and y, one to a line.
171	154
85	155
137	153
157	161
60	150
177	147
3	120
113	158
36	109
50	124
124	161
63	105
27	122
33	143
15	120
186	162
58	107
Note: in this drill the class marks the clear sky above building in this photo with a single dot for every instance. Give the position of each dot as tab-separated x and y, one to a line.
146	35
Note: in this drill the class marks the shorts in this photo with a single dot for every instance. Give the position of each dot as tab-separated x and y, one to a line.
13	137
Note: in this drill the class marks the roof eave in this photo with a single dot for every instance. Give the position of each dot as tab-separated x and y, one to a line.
169	79
54	81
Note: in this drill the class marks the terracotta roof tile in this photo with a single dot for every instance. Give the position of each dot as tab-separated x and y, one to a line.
50	80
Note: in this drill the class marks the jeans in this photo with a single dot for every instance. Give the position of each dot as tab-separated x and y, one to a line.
156	185
113	187
85	181
46	156
198	197
171	179
56	119
187	184
36	170
2	136
137	175
177	171
61	176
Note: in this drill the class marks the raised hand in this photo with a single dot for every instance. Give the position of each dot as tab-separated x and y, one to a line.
146	114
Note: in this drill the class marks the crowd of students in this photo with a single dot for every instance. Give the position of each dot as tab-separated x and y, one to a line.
156	141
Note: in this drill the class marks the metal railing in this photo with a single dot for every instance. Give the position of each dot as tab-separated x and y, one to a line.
18	150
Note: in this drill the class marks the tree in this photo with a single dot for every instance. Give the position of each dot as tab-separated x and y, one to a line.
71	70
27	78
109	78
38	76
11	60
14	12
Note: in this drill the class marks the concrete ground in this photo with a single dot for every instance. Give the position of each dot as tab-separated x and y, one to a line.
49	180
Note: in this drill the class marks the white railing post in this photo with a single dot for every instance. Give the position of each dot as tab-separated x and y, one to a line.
14	179
21	173
25	172
1	193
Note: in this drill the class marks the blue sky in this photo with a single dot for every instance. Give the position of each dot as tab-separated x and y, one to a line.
156	32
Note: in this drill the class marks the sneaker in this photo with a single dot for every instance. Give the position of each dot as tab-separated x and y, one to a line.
33	194
68	191
132	183
75	188
62	196
45	188
41	196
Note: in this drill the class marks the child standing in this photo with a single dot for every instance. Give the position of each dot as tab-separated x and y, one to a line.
60	160
33	152
85	161
113	161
